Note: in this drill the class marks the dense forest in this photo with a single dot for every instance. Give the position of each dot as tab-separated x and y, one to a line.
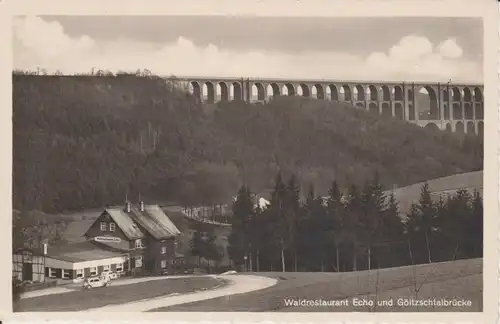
359	229
87	141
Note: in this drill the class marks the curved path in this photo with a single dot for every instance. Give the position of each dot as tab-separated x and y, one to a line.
239	284
118	282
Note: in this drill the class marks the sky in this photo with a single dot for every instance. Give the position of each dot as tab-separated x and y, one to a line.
334	48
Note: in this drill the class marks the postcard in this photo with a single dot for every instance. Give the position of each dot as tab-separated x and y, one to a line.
271	160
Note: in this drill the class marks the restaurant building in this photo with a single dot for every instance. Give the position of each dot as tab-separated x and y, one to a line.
128	240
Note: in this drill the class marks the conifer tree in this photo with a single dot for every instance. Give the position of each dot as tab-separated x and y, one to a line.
292	215
427	215
353	224
476	225
276	213
392	229
239	239
373	200
335	212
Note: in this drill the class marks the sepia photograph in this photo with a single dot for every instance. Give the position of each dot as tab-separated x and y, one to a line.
232	163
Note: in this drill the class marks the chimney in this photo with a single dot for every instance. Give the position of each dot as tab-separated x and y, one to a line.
127	207
45	248
141	205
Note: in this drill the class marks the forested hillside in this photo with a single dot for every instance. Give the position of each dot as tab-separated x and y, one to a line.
86	141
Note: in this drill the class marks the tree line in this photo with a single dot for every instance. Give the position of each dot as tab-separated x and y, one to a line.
359	229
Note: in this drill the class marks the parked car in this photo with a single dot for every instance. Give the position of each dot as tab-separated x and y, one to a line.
113	275
96	282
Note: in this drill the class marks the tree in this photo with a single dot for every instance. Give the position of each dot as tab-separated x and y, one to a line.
196	245
335	211
427	216
412	230
239	239
392	229
257	233
292	215
353	224
277	215
476	226
209	250
373	204
320	230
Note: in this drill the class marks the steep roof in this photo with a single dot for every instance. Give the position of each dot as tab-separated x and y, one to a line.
76	230
154	220
125	223
122	246
79	252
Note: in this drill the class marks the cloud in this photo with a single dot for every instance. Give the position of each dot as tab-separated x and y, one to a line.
38	43
450	49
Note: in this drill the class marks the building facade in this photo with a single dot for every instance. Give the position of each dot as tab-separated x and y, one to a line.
144	232
28	265
128	240
81	260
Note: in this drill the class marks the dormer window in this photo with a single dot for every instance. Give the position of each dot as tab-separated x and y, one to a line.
138	243
103	227
112	227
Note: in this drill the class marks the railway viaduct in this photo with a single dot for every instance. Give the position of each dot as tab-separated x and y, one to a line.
450	106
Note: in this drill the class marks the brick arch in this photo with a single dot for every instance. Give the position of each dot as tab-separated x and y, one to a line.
360	92
398	93
290	89
224	91
334	92
210	91
320	92
237	93
386	93
432	126
275	88
373	93
306	92
347	93
196	89
261	91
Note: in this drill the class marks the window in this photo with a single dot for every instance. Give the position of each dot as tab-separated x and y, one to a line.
52	273
79	273
106	268
65	274
163	249
112	227
138	261
93	271
138	243
119	267
163	263
103	227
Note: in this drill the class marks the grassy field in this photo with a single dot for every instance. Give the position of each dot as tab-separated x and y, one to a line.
470	181
98	297
448	280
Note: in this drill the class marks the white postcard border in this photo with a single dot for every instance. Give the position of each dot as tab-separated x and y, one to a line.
488	9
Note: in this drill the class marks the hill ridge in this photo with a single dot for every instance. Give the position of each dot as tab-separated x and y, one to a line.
84	142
